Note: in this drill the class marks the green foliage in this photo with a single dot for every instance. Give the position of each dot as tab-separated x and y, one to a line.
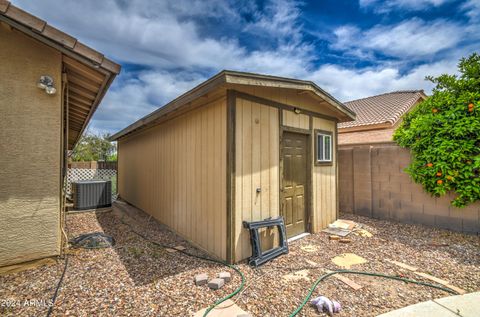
93	147
443	134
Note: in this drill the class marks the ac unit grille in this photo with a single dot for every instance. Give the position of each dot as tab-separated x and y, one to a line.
91	194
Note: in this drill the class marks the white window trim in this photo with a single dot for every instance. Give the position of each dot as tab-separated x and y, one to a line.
324	135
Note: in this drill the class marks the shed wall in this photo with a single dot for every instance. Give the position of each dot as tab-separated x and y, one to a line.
324	178
256	166
176	172
293	120
30	150
257	159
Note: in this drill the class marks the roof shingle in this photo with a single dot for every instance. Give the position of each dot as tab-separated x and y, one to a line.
384	108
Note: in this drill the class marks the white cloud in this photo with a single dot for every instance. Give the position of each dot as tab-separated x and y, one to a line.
349	84
412	38
472	9
279	19
140	94
383	6
176	52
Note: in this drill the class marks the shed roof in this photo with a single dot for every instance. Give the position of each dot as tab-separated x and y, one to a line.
238	78
89	73
386	108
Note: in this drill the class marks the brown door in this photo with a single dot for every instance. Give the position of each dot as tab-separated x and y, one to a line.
294	182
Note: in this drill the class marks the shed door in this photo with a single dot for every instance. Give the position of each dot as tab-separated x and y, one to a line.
294	182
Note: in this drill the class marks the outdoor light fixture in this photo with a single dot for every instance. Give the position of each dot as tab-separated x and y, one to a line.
296	110
46	83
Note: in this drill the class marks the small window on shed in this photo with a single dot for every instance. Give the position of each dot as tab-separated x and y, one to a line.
323	147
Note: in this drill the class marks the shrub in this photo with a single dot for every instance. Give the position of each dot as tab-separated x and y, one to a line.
443	134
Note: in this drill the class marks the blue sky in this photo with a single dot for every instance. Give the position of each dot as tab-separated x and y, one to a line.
352	49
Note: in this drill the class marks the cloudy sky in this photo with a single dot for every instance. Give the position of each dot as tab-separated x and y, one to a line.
350	48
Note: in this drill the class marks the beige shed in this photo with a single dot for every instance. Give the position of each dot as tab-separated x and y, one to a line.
237	147
39	125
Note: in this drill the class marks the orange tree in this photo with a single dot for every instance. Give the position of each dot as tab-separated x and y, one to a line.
443	134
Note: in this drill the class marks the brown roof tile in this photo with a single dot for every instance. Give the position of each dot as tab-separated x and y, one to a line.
385	108
4	5
88	52
25	18
17	15
59	36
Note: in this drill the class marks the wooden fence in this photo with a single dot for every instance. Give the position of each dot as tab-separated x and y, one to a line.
372	182
94	165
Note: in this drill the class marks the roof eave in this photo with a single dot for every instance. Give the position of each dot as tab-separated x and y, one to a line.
239	78
295	84
190	95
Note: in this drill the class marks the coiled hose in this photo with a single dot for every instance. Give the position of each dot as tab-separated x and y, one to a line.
321	278
312	289
233	267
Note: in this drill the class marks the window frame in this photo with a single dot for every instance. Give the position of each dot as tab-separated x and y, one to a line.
324	133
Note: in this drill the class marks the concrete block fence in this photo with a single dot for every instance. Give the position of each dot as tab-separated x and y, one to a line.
372	183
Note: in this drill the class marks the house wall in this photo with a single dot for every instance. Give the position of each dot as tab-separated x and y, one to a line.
361	137
257	160
373	183
30	150
176	172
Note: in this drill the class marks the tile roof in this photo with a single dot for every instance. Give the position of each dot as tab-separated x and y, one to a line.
88	72
70	43
385	108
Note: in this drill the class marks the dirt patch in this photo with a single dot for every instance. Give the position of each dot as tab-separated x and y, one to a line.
137	278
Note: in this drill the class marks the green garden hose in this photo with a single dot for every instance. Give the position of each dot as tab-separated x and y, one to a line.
312	289
218	302
321	278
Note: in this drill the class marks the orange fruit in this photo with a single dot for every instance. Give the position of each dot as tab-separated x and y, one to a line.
434	110
429	164
439	174
449	177
439	182
470	105
470	109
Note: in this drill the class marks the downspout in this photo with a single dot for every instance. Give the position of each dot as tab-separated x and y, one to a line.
63	219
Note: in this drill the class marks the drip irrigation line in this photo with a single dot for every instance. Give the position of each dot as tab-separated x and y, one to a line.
59	284
233	267
323	277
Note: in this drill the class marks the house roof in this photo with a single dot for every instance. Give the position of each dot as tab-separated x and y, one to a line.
385	109
238	78
88	72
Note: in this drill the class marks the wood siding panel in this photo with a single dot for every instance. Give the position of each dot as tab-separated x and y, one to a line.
299	121
176	172
324	183
256	166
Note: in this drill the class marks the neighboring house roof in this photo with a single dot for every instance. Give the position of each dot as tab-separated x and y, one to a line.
238	78
89	73
382	110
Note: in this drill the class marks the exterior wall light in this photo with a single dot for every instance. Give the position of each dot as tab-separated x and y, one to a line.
296	110
46	83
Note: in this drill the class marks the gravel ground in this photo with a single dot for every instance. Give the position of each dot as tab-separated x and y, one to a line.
136	278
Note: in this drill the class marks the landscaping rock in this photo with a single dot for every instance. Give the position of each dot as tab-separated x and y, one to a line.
226	276
201	279
216	283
